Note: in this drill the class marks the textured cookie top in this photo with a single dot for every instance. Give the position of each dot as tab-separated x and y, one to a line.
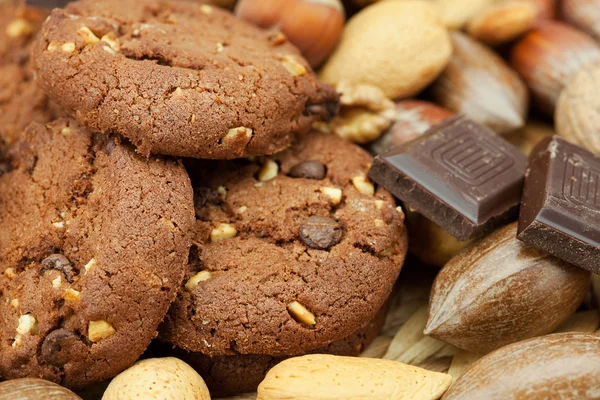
93	244
18	26
291	252
179	78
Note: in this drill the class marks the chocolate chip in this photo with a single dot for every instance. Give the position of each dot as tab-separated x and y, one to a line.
62	346
320	232
60	263
309	170
326	111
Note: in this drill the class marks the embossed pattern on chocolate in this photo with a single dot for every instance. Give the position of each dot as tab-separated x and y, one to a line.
561	203
459	174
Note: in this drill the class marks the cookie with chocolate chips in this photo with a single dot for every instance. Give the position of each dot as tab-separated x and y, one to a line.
179	78
285	262
230	375
93	246
22	101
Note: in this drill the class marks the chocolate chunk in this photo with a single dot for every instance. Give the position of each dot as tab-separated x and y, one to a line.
62	346
320	232
309	170
560	208
60	263
458	174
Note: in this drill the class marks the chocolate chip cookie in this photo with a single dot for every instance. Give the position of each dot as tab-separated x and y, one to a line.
291	252
179	78
229	375
93	246
18	26
22	101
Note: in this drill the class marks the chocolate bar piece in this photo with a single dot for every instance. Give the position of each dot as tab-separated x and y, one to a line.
459	174
560	209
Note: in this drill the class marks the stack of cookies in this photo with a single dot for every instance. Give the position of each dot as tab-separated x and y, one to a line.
160	179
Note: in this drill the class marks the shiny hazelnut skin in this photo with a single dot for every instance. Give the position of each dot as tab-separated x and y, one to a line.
548	56
314	26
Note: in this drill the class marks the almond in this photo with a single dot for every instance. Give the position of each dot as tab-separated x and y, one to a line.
584	14
412	118
577	117
548	56
33	389
498	291
398	46
559	366
327	377
479	84
503	21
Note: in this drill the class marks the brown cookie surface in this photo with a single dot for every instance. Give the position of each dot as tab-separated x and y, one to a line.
93	244
230	375
18	27
263	276
22	101
179	78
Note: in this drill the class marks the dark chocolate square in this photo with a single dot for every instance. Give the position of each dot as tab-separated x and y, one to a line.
560	208
459	174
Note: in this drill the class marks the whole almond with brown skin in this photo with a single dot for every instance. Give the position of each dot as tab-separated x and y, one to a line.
577	116
584	14
479	84
547	9
34	389
548	56
413	118
498	291
560	366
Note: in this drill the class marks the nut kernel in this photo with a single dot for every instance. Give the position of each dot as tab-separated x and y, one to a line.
19	27
87	35
72	295
90	265
66	131
98	330
379	204
27	324
301	314
14	303
363	185
112	41
194	280
168	223
56	282
10	273
239	131
293	66
334	194
379	223
223	231
269	171
206	9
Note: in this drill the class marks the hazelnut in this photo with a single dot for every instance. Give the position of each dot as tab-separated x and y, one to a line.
269	171
98	330
27	325
577	118
19	27
314	26
301	314
87	35
72	295
363	185
194	280
223	231
548	56
502	22
479	84
334	194
293	66
412	118
584	14
402	47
